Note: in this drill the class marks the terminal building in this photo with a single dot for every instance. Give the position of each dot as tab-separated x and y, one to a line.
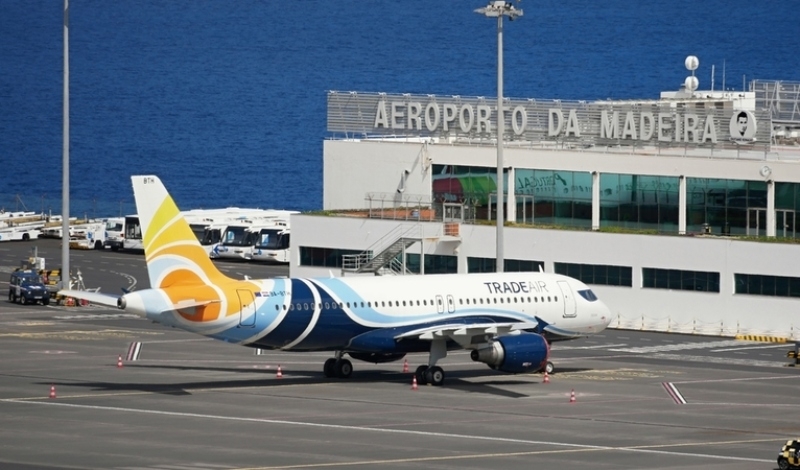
680	212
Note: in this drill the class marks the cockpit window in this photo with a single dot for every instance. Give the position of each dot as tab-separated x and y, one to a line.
588	295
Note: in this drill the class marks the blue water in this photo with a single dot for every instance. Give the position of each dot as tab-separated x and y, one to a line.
225	100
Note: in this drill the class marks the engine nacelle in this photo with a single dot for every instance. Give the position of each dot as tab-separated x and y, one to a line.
377	358
525	352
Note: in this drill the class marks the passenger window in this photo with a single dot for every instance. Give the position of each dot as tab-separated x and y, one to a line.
417	303
501	300
555	299
277	307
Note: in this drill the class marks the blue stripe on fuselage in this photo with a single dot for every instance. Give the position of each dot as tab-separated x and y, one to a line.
296	319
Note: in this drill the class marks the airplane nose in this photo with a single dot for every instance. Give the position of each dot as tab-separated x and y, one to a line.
605	314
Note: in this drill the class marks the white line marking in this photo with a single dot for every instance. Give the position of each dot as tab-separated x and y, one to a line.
600	346
768	346
459	437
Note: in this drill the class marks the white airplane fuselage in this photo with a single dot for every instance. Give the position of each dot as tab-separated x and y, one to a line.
328	313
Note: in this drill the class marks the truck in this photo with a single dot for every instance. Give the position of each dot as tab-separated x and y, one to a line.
26	286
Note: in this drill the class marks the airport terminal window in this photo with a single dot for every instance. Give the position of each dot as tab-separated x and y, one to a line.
600	274
434	264
725	206
639	202
777	286
489	265
675	279
787	204
324	257
554	197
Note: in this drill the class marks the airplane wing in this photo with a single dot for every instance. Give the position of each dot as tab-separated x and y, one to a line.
93	297
463	333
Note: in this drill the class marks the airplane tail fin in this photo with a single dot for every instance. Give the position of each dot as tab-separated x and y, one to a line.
174	256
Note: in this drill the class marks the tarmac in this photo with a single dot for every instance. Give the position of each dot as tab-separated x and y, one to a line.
641	399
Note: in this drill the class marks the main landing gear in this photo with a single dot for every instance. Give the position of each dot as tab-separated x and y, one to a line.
431	373
338	367
425	374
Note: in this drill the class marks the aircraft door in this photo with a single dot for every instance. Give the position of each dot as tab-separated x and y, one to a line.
570	307
439	304
451	304
247	308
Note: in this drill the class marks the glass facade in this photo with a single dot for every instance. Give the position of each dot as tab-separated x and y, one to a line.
489	265
734	207
778	286
675	279
324	257
637	202
597	273
434	264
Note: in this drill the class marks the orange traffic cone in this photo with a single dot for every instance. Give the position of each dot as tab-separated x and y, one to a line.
119	361
279	374
52	391
572	396
405	366
546	377
414	383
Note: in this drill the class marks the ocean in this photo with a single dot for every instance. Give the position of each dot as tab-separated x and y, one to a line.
226	100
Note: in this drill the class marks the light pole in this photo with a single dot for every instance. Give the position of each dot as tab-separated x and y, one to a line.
498	9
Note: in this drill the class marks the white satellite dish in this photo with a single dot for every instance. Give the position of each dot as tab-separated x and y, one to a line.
691	83
692	62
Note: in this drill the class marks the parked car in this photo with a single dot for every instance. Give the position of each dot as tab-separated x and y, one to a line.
26	286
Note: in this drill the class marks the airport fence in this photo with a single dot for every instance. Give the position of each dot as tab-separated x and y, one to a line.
50	204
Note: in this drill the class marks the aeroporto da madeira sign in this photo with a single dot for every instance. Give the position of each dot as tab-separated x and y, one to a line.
654	121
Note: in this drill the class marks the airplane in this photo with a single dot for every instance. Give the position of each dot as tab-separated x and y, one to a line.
506	320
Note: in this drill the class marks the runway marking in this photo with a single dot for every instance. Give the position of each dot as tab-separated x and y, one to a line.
683	346
80	334
673	392
460	437
599	346
766	346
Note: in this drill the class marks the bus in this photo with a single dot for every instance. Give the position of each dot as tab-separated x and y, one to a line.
272	244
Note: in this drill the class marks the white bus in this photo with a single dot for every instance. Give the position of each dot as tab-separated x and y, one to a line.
272	244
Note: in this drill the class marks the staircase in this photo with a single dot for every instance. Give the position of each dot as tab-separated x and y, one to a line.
386	260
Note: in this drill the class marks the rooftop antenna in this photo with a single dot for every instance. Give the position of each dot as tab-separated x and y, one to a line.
691	83
712	78
723	74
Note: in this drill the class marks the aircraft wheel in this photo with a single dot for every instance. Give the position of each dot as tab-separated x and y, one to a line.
330	368
549	368
25	237
435	376
420	374
344	368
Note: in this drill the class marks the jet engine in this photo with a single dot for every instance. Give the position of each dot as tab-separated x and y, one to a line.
525	352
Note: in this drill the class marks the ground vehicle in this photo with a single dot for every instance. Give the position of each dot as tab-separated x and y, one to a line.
26	286
789	456
133	233
272	244
115	231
